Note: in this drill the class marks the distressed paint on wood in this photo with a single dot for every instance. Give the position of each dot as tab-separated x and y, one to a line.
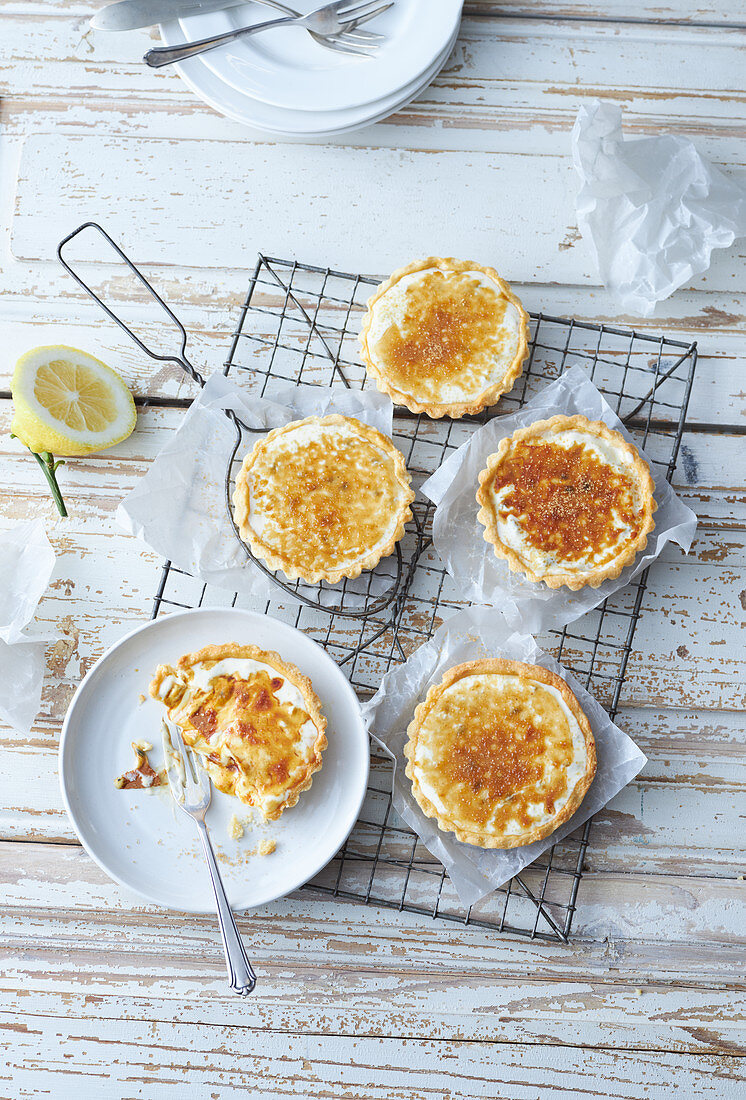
352	996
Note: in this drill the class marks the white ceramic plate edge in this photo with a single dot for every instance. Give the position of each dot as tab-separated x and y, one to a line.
207	87
278	84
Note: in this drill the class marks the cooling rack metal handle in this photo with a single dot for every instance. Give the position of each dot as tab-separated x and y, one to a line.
369	604
181	356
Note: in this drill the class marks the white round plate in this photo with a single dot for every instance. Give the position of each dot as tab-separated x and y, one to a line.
287	68
276	120
140	838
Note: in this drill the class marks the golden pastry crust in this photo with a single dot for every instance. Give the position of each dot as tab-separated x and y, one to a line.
494	389
639	481
179	700
485	754
325	501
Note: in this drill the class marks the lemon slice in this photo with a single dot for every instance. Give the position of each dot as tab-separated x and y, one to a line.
68	403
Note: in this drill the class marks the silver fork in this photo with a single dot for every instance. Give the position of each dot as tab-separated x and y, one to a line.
192	792
332	19
340	42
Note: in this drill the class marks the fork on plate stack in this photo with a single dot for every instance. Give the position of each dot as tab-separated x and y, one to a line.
319	72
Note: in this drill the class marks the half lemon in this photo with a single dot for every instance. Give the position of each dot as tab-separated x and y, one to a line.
69	403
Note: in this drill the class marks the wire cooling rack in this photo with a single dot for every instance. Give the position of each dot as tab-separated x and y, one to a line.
299	325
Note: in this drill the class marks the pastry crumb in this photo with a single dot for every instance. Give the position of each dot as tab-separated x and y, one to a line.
266	847
235	828
144	746
141	698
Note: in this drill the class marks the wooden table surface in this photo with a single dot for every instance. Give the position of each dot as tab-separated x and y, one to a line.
106	996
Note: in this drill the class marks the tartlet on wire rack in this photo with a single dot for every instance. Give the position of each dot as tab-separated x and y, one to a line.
500	753
253	718
567	501
323	498
445	337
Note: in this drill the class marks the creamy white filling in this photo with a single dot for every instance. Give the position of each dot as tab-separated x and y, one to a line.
511	533
574	772
391	307
290	442
166	684
244	667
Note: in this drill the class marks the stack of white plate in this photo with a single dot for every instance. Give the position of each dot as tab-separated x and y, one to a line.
284	82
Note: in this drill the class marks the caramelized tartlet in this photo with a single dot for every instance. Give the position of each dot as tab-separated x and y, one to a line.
253	718
500	753
566	501
445	337
323	498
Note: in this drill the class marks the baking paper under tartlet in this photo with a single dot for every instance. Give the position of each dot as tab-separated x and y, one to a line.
178	507
458	535
468	635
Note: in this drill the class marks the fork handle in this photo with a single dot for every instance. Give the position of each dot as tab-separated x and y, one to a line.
166	55
243	978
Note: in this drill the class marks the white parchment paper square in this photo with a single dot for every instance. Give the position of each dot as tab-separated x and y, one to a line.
458	535
178	507
26	564
652	207
468	635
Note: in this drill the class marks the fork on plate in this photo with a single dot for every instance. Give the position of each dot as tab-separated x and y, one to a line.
191	788
328	21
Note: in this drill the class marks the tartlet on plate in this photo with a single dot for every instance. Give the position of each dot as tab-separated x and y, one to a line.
500	753
323	498
253	718
445	337
567	501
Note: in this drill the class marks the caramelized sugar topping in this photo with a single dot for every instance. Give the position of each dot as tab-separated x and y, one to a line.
496	748
142	776
450	331
327	501
568	502
249	739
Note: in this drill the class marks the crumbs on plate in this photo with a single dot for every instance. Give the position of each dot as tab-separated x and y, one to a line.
142	776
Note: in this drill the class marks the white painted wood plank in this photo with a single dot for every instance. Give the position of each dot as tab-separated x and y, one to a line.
562	61
259	200
677	11
114	1059
435	1007
686	651
60	885
393	974
261	203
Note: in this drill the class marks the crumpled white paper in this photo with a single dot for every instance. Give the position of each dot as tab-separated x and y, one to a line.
458	535
468	635
26	564
178	508
652	207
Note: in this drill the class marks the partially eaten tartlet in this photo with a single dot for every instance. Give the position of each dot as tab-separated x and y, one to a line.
253	718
